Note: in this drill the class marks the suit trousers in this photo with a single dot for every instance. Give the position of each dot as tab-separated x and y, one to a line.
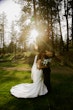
46	74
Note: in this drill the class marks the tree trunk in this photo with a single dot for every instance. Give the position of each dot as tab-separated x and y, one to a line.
3	38
34	11
72	25
52	35
66	15
47	17
61	38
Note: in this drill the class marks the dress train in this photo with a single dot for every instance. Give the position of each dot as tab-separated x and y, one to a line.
31	90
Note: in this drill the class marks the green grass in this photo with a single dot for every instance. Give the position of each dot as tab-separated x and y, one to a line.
14	64
60	98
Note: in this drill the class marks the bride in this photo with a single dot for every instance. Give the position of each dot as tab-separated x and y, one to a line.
31	90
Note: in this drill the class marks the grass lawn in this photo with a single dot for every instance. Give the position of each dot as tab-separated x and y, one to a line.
60	98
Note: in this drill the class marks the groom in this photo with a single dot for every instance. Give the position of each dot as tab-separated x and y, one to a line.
46	71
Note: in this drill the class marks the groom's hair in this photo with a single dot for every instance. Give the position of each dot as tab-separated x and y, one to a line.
45	56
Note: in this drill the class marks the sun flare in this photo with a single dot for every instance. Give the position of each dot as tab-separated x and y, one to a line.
33	36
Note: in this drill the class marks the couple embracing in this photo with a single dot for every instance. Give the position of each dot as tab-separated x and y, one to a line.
40	74
44	64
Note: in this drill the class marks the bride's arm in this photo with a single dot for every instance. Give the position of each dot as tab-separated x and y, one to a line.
40	65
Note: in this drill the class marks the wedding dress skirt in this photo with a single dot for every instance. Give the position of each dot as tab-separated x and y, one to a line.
31	90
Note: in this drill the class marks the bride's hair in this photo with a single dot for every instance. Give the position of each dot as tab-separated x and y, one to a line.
42	55
39	56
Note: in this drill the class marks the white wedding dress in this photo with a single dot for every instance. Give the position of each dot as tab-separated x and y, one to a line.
31	90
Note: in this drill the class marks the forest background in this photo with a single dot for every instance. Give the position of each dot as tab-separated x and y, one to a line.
47	24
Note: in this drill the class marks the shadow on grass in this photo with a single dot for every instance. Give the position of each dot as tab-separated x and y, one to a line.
61	97
39	103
